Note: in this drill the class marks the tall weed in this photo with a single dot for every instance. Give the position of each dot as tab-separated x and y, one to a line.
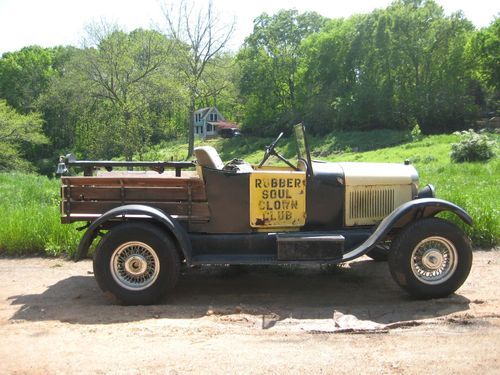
30	219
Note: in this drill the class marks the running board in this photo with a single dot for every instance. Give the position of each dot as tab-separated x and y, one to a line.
253	259
248	259
303	247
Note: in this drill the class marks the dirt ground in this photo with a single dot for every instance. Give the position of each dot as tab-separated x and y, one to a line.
54	319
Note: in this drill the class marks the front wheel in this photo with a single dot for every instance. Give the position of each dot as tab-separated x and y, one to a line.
137	262
431	258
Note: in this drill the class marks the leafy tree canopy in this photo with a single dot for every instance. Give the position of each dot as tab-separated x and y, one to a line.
269	63
24	75
17	133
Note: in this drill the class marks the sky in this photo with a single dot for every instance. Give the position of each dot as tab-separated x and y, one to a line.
50	23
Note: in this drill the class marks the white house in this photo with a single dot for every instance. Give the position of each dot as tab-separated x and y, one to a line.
207	122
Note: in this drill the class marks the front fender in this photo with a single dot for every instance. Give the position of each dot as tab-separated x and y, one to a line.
129	211
404	214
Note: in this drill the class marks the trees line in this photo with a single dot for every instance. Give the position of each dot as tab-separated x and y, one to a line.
122	92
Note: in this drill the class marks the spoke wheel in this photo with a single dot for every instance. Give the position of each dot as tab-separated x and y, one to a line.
434	260
135	265
431	258
137	262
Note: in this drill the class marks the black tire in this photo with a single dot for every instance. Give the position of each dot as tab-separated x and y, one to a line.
136	262
379	253
431	258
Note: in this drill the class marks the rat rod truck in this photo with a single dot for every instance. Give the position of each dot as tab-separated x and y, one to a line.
308	212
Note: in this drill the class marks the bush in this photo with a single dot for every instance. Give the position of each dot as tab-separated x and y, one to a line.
416	133
473	147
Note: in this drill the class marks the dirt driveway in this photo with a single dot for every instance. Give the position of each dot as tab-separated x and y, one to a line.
54	319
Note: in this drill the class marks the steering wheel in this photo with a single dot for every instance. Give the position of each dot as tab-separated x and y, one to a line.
270	149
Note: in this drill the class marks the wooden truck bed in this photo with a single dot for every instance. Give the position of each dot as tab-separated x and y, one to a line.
86	198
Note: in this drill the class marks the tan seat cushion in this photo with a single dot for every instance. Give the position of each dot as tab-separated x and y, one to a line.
207	156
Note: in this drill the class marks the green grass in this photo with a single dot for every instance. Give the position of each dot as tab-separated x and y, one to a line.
29	220
29	204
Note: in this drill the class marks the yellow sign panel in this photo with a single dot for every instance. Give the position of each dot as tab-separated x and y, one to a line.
277	199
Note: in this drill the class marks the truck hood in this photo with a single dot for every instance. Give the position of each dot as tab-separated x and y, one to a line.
379	174
356	174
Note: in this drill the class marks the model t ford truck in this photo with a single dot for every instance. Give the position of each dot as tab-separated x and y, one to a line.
304	212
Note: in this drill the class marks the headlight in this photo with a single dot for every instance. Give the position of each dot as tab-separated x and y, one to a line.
427	192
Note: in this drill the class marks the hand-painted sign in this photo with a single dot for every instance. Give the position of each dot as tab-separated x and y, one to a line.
277	199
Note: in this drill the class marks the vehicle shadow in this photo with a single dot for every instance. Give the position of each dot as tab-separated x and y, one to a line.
365	289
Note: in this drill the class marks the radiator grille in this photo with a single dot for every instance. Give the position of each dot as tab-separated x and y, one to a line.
371	203
366	205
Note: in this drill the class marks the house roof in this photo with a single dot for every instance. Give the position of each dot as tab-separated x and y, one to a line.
206	111
203	111
224	125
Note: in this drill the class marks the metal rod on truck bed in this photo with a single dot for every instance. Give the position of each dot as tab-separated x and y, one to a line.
158	166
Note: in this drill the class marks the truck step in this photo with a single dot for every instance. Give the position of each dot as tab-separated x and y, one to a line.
250	259
302	247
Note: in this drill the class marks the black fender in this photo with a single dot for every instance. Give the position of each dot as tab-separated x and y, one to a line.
136	212
404	214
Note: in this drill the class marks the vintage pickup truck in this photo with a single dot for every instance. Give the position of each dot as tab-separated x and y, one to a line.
304	212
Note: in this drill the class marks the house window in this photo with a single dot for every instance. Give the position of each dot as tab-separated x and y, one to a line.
215	116
209	128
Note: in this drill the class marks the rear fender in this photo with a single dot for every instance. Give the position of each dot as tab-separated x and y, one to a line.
136	212
404	214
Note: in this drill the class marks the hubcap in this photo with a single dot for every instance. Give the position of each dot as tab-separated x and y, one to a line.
434	260
134	265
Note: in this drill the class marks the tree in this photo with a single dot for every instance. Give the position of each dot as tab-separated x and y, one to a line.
330	71
484	56
430	55
200	38
24	75
269	62
17	132
120	70
63	101
392	68
219	86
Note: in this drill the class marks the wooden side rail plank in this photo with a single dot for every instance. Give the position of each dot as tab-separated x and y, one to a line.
198	209
132	193
131	181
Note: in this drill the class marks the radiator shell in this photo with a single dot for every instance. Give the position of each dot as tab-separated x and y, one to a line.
369	204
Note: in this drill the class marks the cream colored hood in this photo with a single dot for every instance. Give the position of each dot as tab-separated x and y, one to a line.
378	174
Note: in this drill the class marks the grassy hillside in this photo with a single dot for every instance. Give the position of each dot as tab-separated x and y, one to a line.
30	204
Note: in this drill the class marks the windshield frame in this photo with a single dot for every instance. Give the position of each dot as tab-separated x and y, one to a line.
302	146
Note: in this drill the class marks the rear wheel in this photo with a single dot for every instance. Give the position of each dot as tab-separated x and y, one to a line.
431	258
137	263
